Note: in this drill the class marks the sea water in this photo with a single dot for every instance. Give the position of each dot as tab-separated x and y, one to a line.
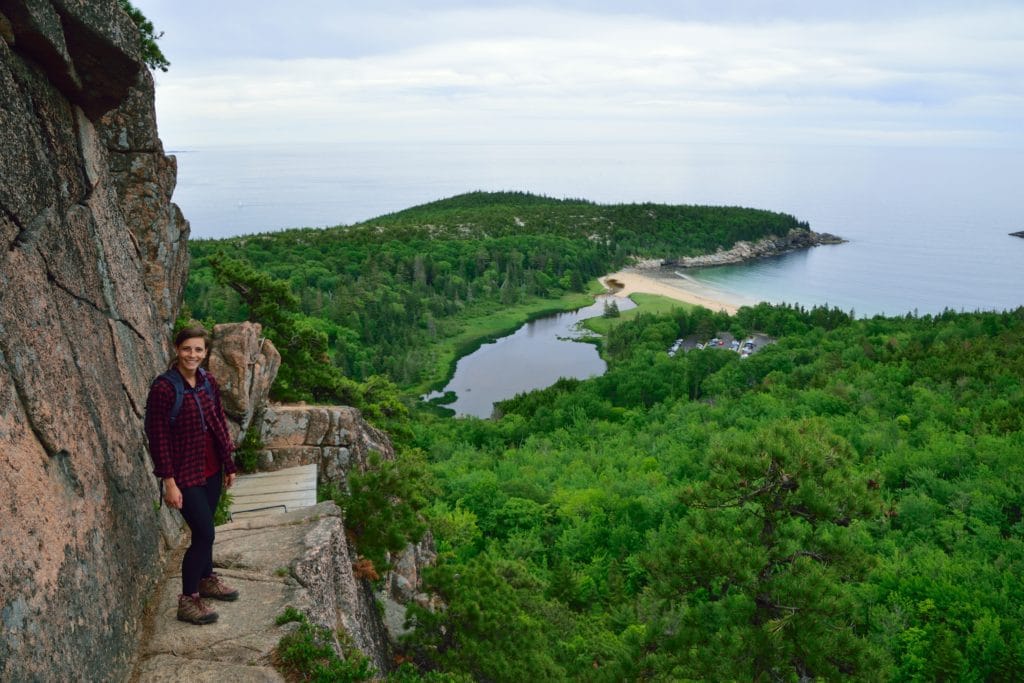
927	227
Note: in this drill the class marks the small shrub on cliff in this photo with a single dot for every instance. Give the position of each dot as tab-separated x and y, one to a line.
364	569
308	654
222	515
408	673
382	507
151	53
247	454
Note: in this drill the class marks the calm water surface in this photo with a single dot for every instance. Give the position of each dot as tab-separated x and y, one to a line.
533	357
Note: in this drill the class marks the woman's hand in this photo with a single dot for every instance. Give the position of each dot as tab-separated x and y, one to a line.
172	494
229	480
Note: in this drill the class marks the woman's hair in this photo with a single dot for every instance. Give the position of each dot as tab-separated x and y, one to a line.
192	332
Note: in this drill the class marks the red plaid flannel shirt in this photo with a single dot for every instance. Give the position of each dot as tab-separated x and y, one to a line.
179	450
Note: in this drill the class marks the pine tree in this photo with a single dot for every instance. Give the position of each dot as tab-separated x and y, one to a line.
759	578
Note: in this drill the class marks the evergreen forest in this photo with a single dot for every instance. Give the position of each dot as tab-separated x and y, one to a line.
844	504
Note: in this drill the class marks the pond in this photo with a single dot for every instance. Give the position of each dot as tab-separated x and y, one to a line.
533	357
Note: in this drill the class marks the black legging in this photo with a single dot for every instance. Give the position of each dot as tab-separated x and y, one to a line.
198	504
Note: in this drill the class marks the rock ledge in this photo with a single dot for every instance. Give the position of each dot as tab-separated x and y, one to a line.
300	559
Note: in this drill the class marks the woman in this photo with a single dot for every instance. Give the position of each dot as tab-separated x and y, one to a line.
191	450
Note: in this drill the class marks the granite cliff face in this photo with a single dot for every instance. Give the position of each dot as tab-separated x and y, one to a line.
92	266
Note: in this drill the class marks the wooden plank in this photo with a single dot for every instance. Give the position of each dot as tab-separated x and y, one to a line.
279	495
290	501
294	487
251	513
285	504
249	480
287	486
288	480
284	475
266	496
288	471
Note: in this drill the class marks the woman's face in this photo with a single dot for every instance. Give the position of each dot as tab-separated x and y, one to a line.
191	353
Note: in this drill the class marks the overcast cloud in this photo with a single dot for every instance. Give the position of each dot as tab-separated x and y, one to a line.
873	72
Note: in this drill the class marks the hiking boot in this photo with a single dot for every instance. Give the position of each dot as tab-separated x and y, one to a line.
193	610
214	587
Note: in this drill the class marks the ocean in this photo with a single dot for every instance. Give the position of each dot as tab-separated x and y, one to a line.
927	227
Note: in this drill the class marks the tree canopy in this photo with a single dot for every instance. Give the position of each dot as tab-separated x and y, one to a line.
152	55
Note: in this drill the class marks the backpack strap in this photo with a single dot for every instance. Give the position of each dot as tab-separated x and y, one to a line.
204	377
178	383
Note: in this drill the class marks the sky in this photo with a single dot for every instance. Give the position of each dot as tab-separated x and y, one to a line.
869	72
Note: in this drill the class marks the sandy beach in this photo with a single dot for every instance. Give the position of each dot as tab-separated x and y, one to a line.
630	280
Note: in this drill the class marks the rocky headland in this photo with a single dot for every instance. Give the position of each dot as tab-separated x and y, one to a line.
770	246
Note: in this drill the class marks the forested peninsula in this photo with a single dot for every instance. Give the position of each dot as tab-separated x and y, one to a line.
844	504
405	294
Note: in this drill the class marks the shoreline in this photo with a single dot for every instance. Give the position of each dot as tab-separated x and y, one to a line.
630	280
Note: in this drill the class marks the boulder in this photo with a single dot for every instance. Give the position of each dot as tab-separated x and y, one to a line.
336	438
245	365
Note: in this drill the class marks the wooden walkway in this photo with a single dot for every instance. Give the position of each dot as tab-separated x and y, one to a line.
272	493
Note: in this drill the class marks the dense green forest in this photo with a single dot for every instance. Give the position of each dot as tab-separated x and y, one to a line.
389	293
847	503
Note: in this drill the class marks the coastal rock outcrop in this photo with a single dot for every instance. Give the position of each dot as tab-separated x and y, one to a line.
764	248
92	264
339	441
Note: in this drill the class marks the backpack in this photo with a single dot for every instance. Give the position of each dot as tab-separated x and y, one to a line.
178	382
